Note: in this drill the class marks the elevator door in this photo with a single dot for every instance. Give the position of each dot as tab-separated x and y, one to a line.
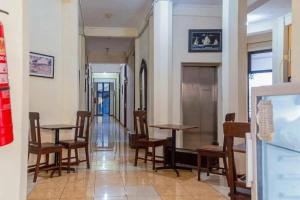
199	105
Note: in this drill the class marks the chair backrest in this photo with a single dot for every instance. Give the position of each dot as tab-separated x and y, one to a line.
230	117
231	131
140	124
83	125
35	130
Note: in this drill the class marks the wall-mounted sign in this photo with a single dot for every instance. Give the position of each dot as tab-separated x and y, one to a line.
41	65
205	40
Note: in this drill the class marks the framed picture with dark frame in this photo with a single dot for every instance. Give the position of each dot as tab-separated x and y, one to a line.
41	65
205	40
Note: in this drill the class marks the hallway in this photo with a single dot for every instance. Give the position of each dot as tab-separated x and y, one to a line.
113	177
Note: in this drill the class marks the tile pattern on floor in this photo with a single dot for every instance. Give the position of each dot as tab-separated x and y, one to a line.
113	177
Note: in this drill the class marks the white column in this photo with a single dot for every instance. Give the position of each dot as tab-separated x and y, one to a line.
162	60
137	72
279	48
13	157
234	58
295	40
70	46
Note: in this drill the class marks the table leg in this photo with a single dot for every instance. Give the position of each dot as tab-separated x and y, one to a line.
56	142
173	155
174	152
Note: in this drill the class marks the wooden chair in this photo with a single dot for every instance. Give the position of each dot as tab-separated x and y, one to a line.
142	138
214	152
238	189
37	147
81	139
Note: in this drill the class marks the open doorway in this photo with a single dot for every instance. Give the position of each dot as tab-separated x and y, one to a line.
105	99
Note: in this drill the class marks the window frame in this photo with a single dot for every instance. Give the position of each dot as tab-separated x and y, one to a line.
250	53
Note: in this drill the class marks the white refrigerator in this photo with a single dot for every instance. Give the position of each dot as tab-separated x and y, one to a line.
273	146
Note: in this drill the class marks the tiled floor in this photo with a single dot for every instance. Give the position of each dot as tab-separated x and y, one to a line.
113	177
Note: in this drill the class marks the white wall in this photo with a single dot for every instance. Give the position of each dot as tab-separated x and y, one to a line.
54	31
122	96
130	91
141	52
108	68
144	46
295	41
260	41
57	100
187	17
13	157
82	70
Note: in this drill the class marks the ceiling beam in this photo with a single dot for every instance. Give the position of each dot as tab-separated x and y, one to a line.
256	4
121	32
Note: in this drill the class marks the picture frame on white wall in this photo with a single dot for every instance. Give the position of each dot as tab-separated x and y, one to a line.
41	65
205	40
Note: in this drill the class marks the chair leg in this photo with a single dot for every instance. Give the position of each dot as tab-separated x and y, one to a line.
59	164
153	158
69	160
226	168
208	166
37	167
47	161
136	156
164	157
146	155
76	156
199	167
87	157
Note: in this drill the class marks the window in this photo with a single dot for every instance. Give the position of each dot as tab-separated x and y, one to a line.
260	71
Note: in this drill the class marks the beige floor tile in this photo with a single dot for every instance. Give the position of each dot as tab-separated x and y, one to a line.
110	191
77	198
45	193
78	192
110	198
172	197
176	190
114	177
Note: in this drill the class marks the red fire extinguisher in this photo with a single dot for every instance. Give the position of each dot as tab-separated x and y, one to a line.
6	128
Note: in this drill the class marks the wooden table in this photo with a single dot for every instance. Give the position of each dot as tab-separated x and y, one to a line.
174	129
57	128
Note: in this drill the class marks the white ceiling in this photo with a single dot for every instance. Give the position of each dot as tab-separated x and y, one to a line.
113	13
270	10
100	44
202	2
129	13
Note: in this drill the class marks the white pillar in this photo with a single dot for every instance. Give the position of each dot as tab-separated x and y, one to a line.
295	52
280	49
162	60
70	46
137	72
234	58
13	157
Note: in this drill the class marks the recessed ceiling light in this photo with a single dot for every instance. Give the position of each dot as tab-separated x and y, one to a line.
254	18
108	15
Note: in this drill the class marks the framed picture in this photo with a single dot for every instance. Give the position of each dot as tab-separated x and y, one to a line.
205	40
41	65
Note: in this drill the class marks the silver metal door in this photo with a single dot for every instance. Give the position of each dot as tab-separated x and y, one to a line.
199	105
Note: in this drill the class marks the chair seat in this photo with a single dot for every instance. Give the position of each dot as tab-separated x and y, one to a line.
211	148
73	143
46	147
151	142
